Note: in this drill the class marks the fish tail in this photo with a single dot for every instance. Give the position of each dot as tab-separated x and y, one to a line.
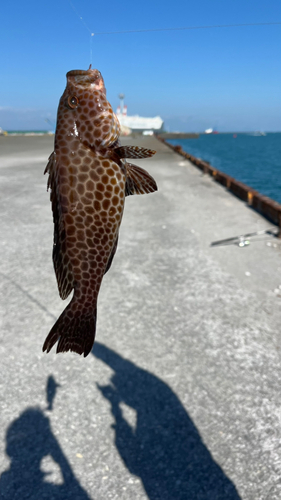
74	330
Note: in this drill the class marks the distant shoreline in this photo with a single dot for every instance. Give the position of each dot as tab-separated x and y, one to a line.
29	132
164	134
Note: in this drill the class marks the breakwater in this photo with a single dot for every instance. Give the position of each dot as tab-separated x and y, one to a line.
267	207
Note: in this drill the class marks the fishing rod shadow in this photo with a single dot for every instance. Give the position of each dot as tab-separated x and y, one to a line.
245	239
51	389
28	295
164	448
38	467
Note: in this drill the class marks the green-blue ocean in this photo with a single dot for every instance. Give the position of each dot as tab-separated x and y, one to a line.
250	158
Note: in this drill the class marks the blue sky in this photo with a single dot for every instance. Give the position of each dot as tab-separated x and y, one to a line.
228	78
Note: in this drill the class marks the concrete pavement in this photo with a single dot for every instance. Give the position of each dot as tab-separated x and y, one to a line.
181	397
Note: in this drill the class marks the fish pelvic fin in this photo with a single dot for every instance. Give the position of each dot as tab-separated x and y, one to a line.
74	331
134	152
138	181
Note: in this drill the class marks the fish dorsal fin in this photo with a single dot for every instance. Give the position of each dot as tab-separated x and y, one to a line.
50	167
61	262
139	181
134	152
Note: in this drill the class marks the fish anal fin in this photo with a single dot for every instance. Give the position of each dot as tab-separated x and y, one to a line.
139	181
134	152
62	268
113	251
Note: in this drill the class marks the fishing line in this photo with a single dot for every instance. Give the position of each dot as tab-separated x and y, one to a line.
184	28
187	28
87	28
211	26
81	18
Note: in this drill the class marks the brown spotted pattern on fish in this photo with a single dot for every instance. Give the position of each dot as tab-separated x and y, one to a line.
89	180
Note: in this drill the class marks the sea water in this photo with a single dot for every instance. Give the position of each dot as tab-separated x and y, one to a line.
250	158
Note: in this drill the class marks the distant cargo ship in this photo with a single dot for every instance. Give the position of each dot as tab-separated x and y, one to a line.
211	131
137	123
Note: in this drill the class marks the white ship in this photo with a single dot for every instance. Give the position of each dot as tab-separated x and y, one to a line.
211	131
137	123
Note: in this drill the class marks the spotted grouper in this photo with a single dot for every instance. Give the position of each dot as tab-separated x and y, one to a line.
89	178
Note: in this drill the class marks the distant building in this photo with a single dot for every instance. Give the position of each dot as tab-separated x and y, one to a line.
137	123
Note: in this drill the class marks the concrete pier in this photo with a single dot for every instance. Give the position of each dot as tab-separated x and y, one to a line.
180	399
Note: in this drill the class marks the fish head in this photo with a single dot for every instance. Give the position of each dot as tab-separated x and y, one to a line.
85	110
87	80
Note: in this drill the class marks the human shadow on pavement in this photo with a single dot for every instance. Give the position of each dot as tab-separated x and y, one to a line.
164	449
29	440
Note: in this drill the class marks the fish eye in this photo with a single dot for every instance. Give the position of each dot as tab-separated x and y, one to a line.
72	102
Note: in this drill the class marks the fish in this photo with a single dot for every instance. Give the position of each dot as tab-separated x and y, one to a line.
89	178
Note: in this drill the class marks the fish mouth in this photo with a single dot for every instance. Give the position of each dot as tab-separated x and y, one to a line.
84	78
82	72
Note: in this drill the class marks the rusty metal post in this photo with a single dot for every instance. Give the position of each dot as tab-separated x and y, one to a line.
262	204
250	198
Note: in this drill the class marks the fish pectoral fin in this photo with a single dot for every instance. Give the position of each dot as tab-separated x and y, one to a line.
138	181
134	152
